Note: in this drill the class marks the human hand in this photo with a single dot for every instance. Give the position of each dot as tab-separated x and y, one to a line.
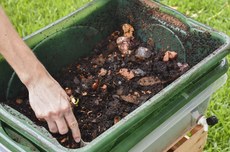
50	102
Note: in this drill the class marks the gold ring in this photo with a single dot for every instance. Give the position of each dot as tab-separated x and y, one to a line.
73	124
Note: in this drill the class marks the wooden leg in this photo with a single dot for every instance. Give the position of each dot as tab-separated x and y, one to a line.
193	141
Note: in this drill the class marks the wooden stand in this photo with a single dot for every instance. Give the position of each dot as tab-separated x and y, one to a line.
193	141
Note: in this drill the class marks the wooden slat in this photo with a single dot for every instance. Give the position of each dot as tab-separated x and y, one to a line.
195	143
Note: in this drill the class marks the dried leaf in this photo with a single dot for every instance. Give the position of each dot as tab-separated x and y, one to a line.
127	74
128	30
130	98
149	81
169	55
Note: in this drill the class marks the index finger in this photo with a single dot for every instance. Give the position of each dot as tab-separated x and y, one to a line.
73	125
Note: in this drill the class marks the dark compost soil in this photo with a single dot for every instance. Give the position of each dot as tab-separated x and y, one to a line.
110	83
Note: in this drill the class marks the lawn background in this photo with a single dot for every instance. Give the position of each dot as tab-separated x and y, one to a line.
28	16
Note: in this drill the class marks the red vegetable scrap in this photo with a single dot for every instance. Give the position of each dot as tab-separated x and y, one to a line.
128	30
95	85
19	101
149	81
126	73
116	119
169	55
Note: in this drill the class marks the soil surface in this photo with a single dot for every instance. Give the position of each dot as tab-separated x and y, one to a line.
120	75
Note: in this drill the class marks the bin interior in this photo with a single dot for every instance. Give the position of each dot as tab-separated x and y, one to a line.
76	35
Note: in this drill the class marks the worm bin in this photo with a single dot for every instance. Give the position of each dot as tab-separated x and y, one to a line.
155	123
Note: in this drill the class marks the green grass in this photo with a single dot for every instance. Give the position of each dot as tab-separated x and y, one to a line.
29	16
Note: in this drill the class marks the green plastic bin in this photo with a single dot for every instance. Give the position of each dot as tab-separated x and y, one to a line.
65	40
10	140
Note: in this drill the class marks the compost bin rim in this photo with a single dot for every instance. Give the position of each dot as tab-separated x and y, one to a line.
219	54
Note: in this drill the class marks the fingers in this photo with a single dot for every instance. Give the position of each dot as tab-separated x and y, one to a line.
61	125
52	126
73	125
50	102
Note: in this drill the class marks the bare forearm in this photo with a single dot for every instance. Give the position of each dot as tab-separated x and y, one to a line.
48	100
17	53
